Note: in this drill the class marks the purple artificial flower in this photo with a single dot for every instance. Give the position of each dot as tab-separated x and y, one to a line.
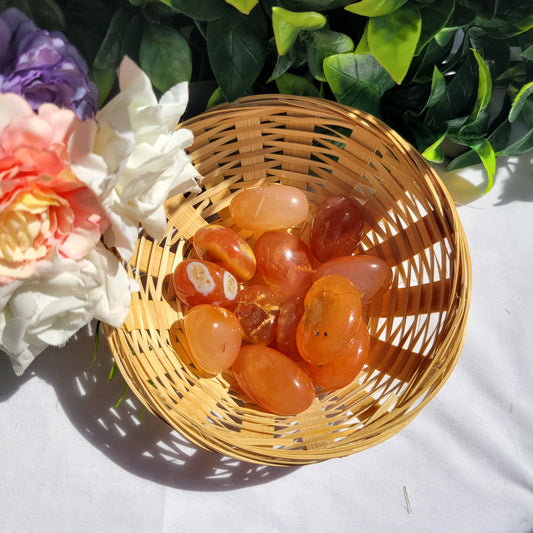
43	66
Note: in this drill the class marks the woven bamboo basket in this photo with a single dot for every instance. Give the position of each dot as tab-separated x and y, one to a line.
417	328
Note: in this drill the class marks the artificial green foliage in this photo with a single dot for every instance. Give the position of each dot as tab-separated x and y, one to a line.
165	56
392	39
375	8
288	24
357	80
245	6
440	72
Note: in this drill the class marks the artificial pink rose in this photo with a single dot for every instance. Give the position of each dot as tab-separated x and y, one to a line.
44	209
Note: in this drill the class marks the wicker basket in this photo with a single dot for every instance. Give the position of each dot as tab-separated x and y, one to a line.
417	328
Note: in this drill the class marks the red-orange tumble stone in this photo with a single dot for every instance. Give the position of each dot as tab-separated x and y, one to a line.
284	262
214	335
227	248
257	309
337	228
272	380
372	276
331	317
202	282
347	365
290	313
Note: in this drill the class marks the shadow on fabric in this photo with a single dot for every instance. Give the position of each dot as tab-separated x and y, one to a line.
129	435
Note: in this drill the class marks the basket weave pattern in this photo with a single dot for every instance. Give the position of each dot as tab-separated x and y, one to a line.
417	328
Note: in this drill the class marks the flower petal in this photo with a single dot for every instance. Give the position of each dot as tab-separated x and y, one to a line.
65	296
11	106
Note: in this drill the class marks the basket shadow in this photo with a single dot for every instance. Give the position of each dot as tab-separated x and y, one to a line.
131	437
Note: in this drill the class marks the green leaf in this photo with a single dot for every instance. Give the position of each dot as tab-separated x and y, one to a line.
200	9
297	85
156	12
462	16
357	80
520	146
434	152
498	138
485	151
131	40
457	104
165	56
107	60
444	36
484	88
294	58
495	52
143	412
408	100
434	18
312	5
122	396
438	89
96	343
488	8
472	130
393	38
244	6
216	98
324	43
113	371
528	53
45	13
423	64
512	18
375	8
527	113
520	100
87	24
237	47
287	25
362	46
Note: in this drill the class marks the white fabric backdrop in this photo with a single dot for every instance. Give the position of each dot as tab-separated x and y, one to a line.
70	462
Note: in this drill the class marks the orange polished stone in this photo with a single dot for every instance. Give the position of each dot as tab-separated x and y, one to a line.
269	207
284	262
272	380
202	282
342	370
257	309
372	276
337	228
331	317
214	335
290	313
226	248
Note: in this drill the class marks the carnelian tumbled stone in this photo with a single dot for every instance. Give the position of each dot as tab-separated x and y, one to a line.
284	262
257	309
269	207
337	228
227	248
332	314
372	276
342	370
214	335
202	282
290	313
272	380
